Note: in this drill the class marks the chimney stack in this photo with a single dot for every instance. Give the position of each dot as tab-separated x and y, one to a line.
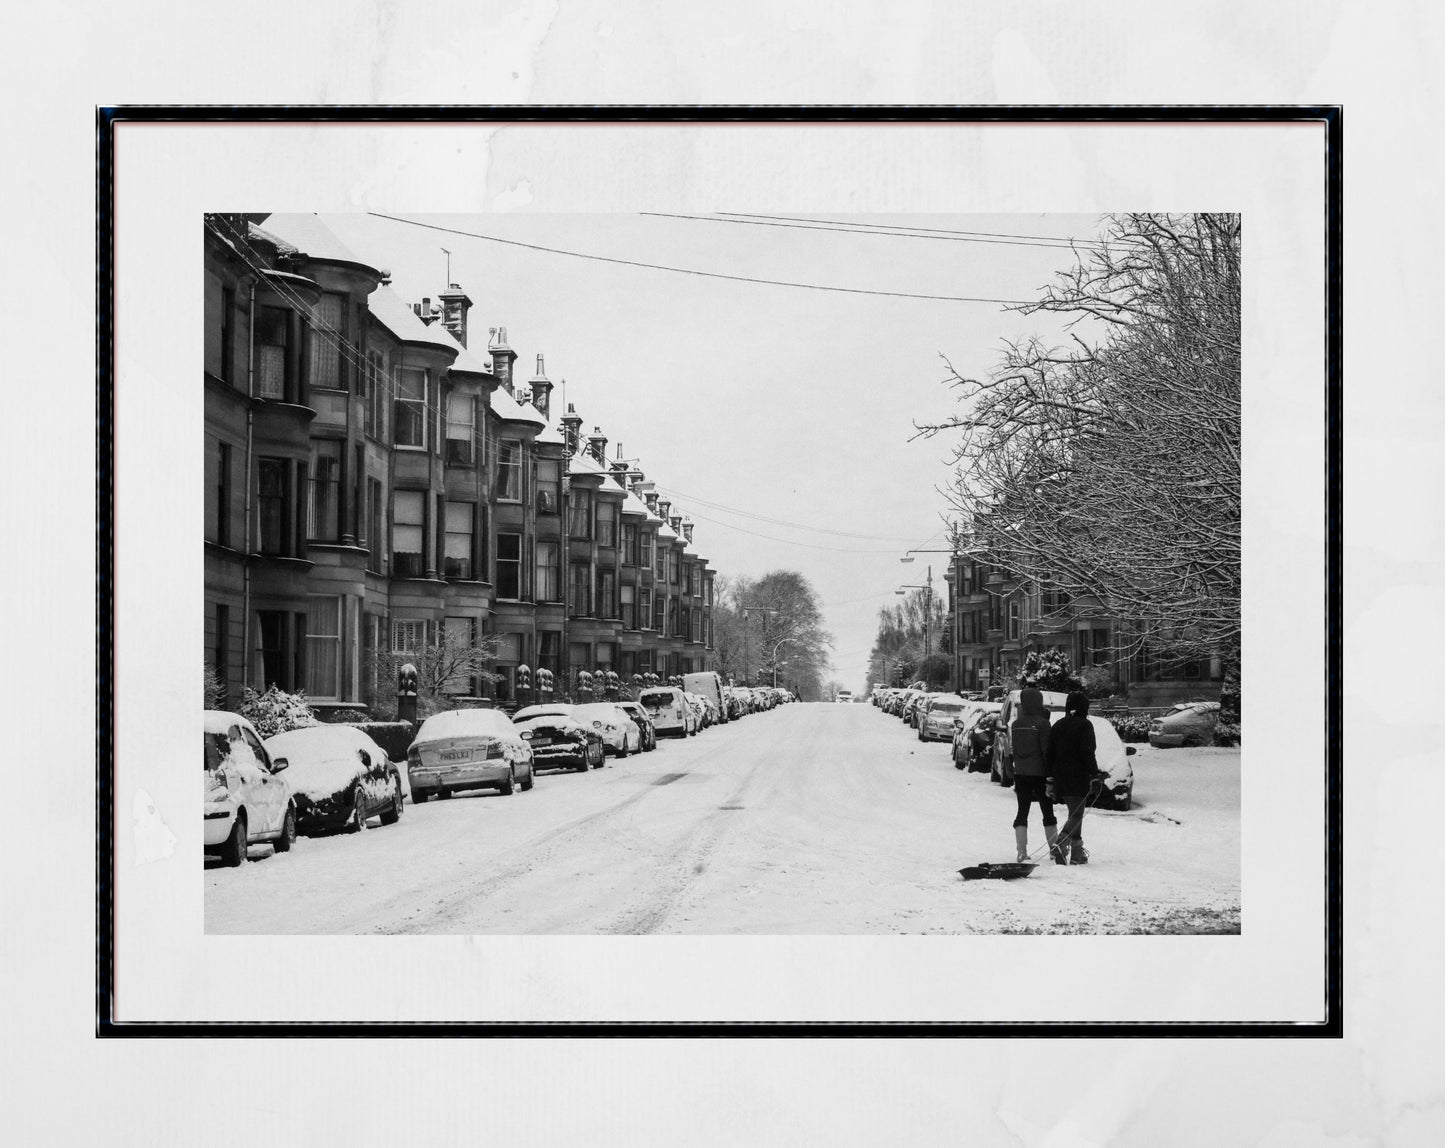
597	446
454	308
687	530
502	357
571	429
542	390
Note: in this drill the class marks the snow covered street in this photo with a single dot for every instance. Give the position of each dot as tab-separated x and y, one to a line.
808	819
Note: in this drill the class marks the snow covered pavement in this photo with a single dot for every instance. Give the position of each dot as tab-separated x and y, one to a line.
808	819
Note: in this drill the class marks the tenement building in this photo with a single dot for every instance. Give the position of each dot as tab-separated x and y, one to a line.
379	486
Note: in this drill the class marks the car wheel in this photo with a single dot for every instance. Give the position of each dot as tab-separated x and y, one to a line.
527	781
233	852
288	831
357	824
1127	801
392	815
509	786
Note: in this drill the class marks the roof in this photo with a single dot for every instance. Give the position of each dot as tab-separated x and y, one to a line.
307	234
388	309
466	359
552	435
583	463
506	407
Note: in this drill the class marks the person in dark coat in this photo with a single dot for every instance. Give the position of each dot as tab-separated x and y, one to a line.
1029	740
1074	773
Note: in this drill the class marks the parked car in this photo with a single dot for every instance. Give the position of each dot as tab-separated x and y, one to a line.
1002	766
339	778
620	735
669	711
642	722
557	738
245	800
699	709
973	736
936	719
708	684
1189	723
468	749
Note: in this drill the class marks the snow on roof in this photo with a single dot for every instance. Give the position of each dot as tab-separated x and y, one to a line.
312	238
584	463
466	360
666	531
389	309
509	409
221	721
634	505
552	434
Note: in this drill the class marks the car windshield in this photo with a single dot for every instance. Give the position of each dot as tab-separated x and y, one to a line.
946	708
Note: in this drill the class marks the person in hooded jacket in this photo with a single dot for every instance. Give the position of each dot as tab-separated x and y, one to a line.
1074	772
1029	739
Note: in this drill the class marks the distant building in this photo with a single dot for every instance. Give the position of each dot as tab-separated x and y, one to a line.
372	482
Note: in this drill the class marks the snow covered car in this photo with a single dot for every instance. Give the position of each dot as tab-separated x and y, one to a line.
669	712
938	716
973	736
557	738
620	735
1189	723
699	709
468	749
643	722
1111	755
245	798
339	778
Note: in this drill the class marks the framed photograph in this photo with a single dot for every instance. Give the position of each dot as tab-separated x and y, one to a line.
736	571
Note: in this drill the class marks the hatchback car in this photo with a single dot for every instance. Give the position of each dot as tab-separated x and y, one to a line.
938	717
620	735
558	739
468	749
1189	723
339	778
669	711
245	800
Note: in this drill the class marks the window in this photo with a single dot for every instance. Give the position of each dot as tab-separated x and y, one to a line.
646	555
549	653
674	567
549	486
579	514
460	637
629	606
273	505
509	470
644	607
275	637
606	523
685	628
457	558
697	625
408	532
1013	619
328	332
323	647
579	656
272	357
222	660
606	594
324	523
549	586
605	655
579	590
223	494
628	666
696	581
509	566
461	429
629	544
228	334
409	411
375	538
408	637
374	406
672	631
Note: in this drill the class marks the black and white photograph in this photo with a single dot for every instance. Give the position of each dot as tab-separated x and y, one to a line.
591	574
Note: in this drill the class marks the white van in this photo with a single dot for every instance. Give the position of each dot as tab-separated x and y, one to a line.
708	684
669	711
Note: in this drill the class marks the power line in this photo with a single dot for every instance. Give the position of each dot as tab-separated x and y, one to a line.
938	235
887	228
704	274
779	521
786	541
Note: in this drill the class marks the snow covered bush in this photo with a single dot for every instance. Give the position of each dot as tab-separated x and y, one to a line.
1226	733
1100	682
1049	671
1130	729
215	690
276	711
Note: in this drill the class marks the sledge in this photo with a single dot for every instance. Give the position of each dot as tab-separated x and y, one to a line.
1002	870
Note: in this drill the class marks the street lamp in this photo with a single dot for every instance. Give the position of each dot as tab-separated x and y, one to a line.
774	658
927	607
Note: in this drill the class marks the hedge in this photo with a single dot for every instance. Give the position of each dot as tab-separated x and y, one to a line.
392	736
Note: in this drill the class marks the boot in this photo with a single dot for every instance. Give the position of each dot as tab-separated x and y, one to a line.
1021	839
1056	851
1078	855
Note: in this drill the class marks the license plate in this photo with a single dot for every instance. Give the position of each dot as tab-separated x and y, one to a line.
541	741
455	755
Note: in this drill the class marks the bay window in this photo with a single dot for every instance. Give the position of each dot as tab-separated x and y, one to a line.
579	515
273	345
629	606
324	522
457	557
509	470
644	607
509	566
606	594
323	647
606	523
549	588
461	429
549	486
326	338
409	421
408	533
629	544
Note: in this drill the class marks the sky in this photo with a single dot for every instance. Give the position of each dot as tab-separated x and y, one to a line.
780	419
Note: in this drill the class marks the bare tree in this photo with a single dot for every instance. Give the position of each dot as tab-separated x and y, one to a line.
1110	469
450	665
